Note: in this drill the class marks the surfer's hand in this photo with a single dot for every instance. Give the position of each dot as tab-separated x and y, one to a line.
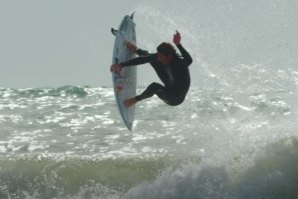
177	38
131	47
116	68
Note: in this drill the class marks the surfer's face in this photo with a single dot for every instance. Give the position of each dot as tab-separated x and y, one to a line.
164	59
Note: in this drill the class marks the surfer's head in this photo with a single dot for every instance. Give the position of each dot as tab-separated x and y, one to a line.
166	49
165	53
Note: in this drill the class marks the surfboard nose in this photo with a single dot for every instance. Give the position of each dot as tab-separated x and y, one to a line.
132	15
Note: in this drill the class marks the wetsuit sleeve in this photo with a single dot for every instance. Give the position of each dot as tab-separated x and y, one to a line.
186	56
139	60
142	52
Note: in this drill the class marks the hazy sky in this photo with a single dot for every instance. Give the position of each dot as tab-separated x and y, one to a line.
68	42
57	42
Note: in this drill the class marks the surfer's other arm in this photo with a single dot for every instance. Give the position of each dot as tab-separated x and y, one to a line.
186	56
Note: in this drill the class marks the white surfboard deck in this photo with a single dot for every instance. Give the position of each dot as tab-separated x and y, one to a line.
125	83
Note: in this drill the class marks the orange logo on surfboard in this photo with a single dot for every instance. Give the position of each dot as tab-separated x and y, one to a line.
118	87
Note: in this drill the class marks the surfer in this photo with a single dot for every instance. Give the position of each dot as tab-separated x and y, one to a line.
171	68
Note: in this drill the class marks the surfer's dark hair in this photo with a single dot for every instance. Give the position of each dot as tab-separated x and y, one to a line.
166	49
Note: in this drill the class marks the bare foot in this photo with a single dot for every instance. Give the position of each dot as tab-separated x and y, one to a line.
130	102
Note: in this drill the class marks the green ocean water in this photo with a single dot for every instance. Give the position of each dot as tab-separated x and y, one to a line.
70	142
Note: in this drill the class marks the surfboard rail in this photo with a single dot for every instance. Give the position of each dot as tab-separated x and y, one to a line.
124	83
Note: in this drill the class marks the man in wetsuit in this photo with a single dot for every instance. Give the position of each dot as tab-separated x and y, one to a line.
171	68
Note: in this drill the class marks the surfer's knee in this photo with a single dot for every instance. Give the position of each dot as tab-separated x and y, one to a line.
175	101
155	86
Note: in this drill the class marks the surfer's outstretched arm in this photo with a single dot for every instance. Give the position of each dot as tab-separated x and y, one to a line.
142	52
138	60
134	49
133	62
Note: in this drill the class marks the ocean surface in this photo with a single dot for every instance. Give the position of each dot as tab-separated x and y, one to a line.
236	141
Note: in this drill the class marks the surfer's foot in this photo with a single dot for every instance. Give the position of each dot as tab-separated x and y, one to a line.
130	102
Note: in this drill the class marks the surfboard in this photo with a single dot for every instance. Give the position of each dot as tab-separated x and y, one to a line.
124	83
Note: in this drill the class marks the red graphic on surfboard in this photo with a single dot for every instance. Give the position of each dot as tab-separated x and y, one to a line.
118	87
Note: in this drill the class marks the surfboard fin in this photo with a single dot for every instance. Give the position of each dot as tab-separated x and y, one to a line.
114	31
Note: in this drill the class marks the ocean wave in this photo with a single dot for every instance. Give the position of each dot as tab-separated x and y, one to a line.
81	125
272	174
72	177
63	91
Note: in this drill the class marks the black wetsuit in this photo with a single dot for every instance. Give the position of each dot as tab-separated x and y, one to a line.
175	76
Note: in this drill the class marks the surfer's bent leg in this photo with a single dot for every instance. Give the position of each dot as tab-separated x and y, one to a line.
152	89
160	91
